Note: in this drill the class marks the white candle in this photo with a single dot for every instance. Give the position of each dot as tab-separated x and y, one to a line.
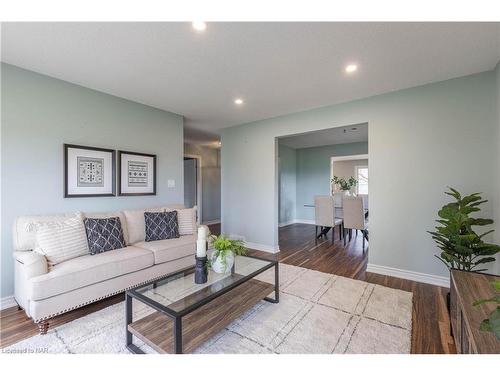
201	248
202	233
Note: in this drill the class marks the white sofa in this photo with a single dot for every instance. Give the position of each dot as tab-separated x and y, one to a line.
45	292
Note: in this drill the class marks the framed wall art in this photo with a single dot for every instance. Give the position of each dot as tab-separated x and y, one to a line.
89	172
136	173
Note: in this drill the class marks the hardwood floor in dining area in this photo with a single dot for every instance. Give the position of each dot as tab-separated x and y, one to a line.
431	329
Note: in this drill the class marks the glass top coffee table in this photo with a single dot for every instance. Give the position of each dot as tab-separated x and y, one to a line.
187	314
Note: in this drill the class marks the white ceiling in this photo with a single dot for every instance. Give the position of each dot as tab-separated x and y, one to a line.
333	136
277	68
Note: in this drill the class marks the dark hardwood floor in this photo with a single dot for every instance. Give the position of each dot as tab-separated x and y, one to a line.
431	332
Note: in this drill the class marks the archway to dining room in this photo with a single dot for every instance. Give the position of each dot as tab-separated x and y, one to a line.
313	232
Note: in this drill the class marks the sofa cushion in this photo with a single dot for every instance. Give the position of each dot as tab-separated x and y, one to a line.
168	250
104	234
136	225
61	240
161	225
89	269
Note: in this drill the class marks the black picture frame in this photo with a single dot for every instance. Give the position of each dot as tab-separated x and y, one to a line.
120	153
66	147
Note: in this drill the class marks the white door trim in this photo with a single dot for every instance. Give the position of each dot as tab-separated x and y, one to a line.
348	157
199	185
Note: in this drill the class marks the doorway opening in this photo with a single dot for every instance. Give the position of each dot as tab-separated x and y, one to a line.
193	184
306	164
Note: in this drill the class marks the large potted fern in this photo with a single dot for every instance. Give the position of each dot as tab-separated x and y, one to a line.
462	248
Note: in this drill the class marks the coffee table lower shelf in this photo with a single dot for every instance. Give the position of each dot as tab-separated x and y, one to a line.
157	329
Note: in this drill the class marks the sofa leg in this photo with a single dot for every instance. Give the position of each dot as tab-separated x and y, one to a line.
43	327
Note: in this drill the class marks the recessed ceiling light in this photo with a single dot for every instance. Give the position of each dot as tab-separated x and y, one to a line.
199	25
238	101
351	68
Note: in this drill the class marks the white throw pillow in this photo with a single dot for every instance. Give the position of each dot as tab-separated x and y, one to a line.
136	224
61	240
186	218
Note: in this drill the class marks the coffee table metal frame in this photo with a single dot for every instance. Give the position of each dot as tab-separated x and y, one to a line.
176	316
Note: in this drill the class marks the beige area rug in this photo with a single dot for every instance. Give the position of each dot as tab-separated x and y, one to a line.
317	313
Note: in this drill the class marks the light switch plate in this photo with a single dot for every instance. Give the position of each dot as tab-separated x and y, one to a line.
171	183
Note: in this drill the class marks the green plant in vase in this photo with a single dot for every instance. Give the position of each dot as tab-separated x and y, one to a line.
492	324
343	184
461	246
225	249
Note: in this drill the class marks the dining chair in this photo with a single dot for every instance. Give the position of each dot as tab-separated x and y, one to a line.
365	200
324	210
354	217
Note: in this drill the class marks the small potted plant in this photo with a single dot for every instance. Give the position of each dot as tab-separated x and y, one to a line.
225	249
344	185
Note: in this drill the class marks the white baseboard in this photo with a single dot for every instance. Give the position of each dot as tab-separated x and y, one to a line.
409	275
7	302
255	245
296	221
305	221
211	222
262	247
285	223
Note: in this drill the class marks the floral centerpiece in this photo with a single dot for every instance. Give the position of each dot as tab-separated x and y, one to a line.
343	184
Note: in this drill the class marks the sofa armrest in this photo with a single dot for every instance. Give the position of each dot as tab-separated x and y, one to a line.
32	263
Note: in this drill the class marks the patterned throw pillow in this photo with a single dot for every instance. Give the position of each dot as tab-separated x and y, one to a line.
104	234
161	225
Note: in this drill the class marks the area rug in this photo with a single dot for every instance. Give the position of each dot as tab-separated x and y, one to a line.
317	313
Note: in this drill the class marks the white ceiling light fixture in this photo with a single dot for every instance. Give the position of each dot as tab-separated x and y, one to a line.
238	101
351	68
199	25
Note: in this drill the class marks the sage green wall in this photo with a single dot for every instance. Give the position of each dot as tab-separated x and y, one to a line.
313	173
39	114
497	201
210	180
421	140
288	184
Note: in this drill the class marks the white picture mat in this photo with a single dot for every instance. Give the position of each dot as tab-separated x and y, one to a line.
73	188
124	188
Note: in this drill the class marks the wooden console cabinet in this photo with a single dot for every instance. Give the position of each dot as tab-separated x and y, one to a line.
465	288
